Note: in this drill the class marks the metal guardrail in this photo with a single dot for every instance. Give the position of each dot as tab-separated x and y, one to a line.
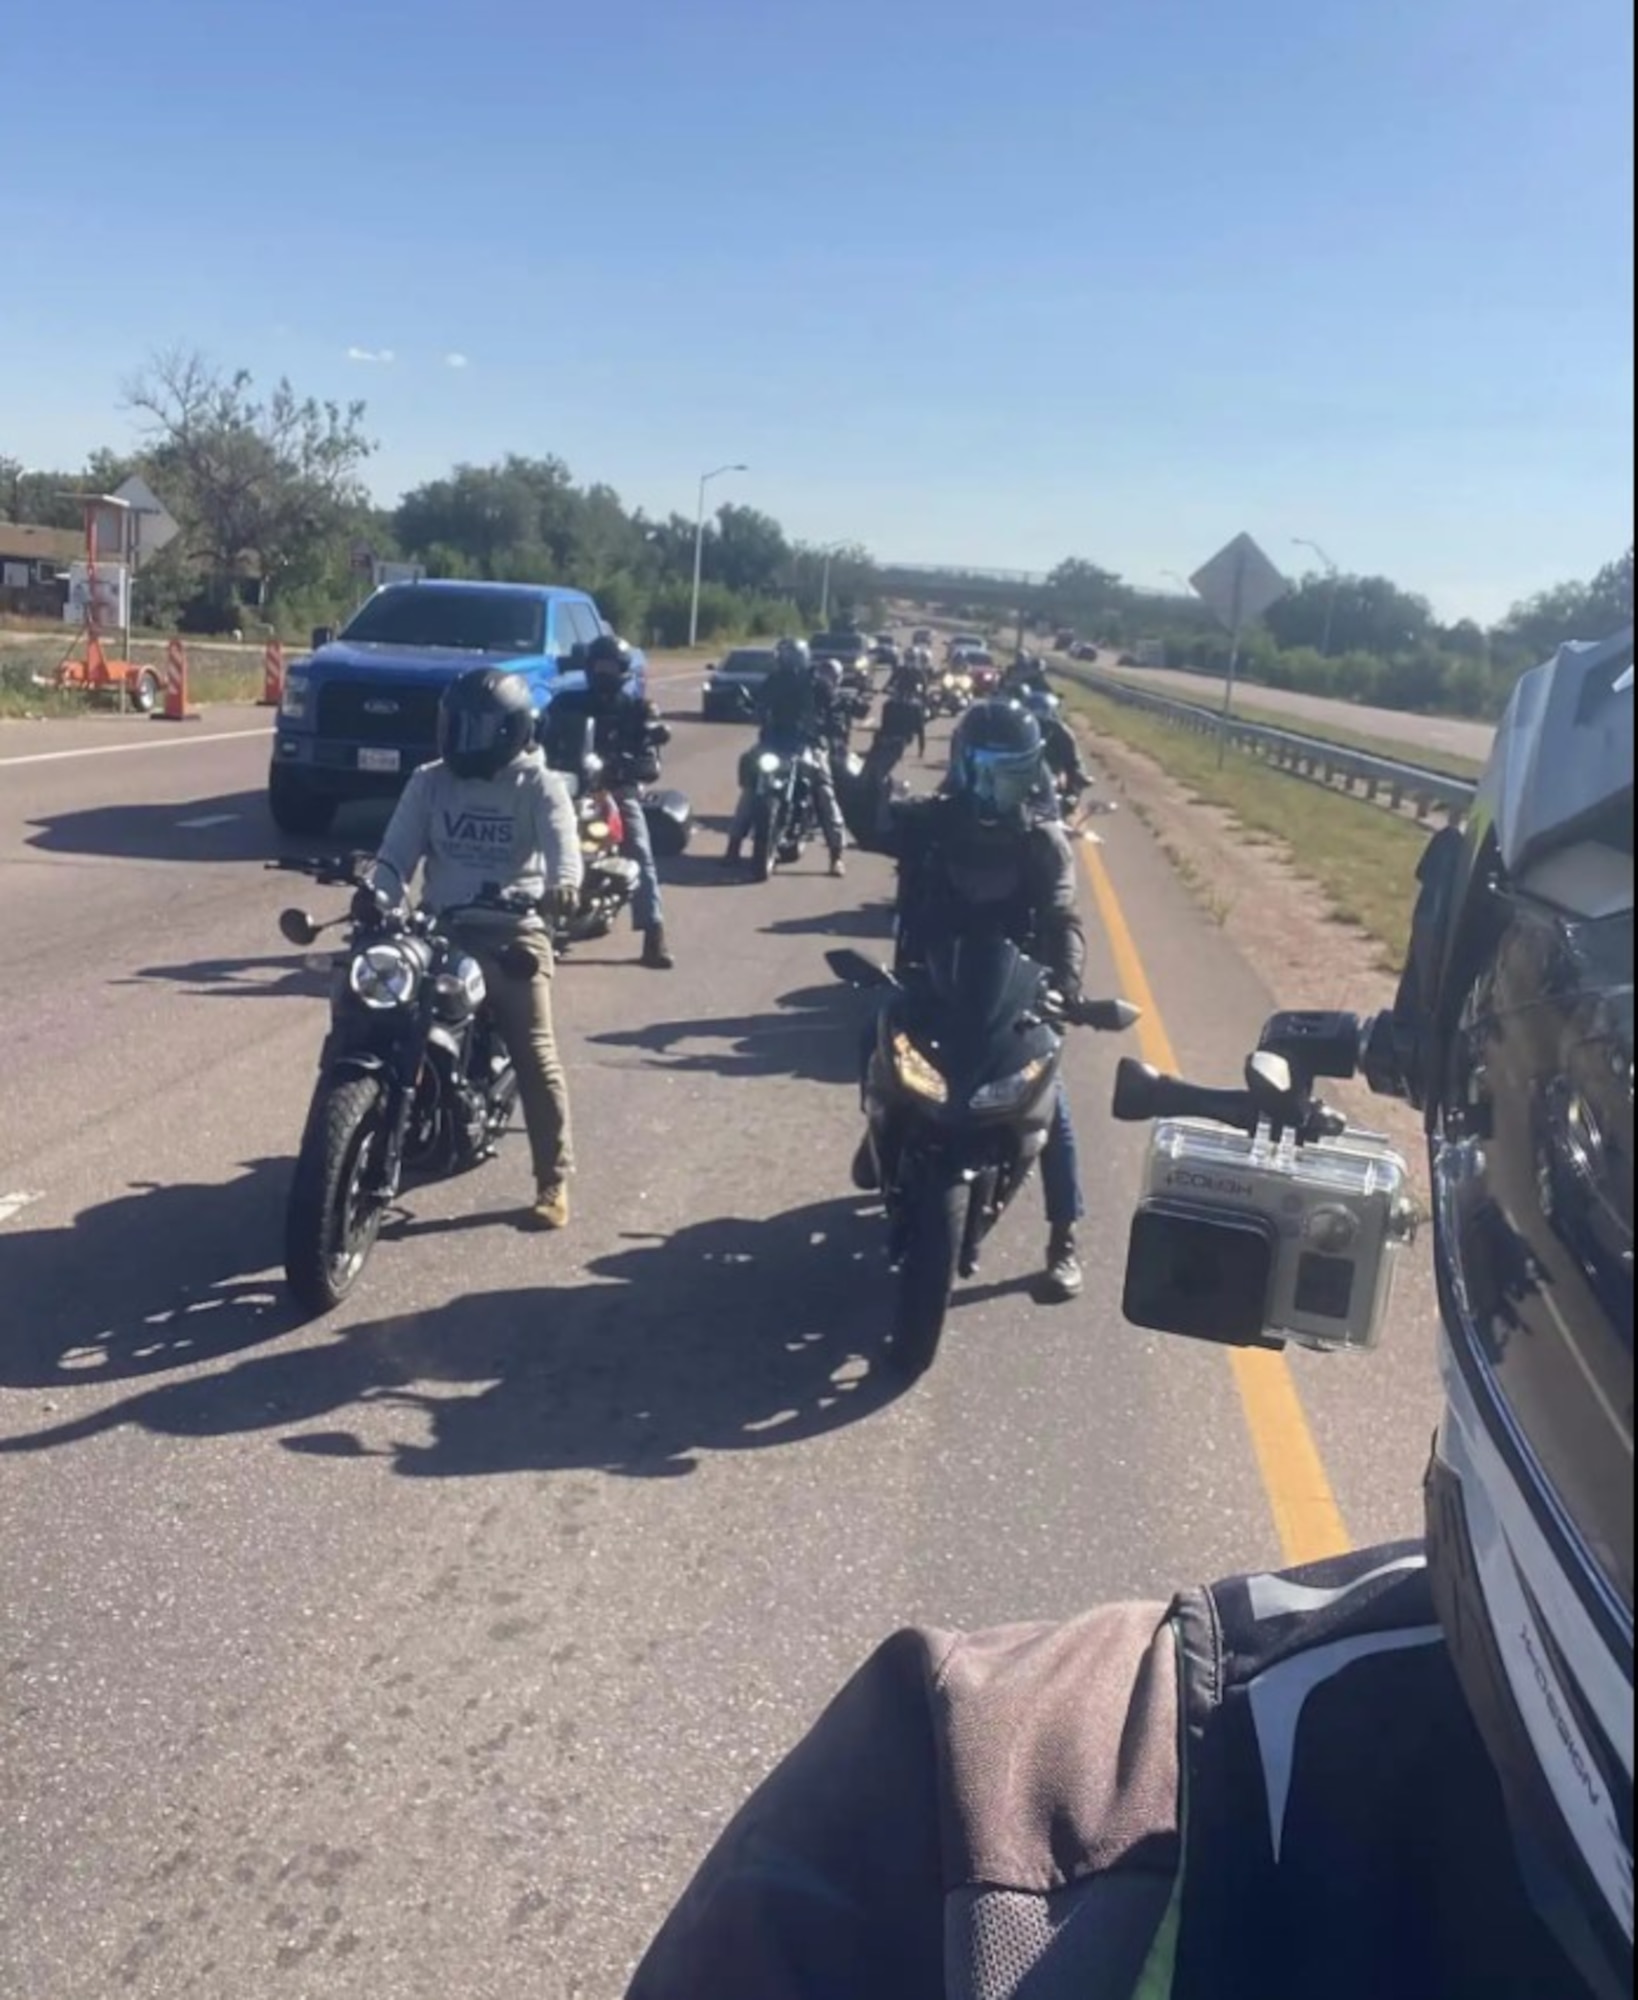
1384	780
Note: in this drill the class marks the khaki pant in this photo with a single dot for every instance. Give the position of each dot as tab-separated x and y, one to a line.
522	1009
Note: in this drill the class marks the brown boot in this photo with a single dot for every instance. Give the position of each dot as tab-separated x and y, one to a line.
550	1209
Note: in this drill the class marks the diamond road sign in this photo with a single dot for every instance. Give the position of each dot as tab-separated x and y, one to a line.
1239	583
152	525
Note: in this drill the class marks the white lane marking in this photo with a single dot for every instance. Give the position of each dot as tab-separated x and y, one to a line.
125	749
227	735
14	1204
207	819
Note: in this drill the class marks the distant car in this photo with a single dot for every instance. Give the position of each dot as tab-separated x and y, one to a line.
962	642
922	636
732	687
1128	660
1083	650
852	649
885	651
1063	639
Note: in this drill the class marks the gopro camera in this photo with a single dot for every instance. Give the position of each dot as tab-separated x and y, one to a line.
1265	1218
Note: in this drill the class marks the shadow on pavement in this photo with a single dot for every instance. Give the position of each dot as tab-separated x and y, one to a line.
272	978
731	1335
813	1032
231	827
870	920
161	1277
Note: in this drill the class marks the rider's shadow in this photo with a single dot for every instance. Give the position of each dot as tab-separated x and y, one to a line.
812	1033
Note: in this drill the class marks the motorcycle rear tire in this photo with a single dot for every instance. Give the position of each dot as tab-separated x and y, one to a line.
327	1237
934	1225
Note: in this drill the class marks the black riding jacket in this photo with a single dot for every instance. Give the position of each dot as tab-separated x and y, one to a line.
958	877
627	734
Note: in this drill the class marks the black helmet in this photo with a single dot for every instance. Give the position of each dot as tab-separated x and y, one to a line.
1514	1032
608	659
829	671
793	653
995	759
485	719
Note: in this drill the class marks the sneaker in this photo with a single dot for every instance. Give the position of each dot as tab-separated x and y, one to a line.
1063	1278
838	867
551	1206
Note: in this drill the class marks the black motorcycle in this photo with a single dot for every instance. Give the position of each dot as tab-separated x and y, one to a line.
959	1094
784	815
414	1079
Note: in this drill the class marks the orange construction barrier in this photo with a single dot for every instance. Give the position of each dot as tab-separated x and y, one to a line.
272	675
175	707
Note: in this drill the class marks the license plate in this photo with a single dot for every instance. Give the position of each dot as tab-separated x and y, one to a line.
378	760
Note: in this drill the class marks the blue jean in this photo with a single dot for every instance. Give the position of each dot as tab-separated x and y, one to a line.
638	845
1061	1169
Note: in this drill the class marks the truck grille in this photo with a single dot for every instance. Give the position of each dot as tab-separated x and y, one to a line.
380	712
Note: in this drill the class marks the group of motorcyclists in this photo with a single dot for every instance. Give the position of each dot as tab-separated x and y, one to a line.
988	851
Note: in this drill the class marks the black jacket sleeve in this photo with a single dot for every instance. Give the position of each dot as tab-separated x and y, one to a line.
1058	930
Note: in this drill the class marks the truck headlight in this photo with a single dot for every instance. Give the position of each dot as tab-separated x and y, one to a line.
293	701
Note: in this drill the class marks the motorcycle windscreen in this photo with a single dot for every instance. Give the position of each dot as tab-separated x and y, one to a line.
981	982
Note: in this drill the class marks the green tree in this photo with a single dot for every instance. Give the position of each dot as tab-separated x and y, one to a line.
260	486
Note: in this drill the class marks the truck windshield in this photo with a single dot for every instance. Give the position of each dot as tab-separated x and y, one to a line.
467	621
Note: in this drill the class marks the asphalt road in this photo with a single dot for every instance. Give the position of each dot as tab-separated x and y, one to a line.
1446	733
421	1650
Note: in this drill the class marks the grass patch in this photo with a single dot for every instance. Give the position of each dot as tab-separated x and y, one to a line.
215	674
1364	859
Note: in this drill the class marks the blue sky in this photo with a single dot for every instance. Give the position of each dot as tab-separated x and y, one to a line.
1114	278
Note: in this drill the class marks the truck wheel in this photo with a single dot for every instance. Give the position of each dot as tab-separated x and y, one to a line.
295	808
144	692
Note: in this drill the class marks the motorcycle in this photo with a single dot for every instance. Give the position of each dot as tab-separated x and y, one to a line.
608	880
783	817
414	1079
950	692
960	1093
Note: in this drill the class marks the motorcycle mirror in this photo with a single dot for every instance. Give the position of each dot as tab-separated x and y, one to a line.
854	969
297	927
1112	1017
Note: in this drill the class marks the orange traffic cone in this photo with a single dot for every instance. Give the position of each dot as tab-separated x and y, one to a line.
175	707
272	675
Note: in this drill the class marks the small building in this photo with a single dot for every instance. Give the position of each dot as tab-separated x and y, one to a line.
34	568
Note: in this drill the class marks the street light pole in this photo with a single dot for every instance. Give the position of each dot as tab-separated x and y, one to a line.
699	547
1331	570
824	586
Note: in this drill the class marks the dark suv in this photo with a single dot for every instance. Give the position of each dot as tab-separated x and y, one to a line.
362	712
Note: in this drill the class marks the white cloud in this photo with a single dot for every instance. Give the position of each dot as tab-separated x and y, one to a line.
383	355
455	361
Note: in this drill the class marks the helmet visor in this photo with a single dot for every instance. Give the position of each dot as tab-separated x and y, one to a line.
998	781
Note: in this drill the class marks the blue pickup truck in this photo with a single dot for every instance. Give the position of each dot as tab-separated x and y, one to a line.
361	713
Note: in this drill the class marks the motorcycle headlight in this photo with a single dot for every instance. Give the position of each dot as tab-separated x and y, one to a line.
293	701
1007	1091
459	989
595	832
383	976
767	763
916	1072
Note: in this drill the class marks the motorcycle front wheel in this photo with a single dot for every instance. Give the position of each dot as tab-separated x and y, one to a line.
935	1219
765	839
332	1220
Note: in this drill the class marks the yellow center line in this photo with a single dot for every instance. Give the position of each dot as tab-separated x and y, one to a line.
1306	1515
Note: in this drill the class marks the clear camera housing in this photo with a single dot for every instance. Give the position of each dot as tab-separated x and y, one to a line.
1254	1242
